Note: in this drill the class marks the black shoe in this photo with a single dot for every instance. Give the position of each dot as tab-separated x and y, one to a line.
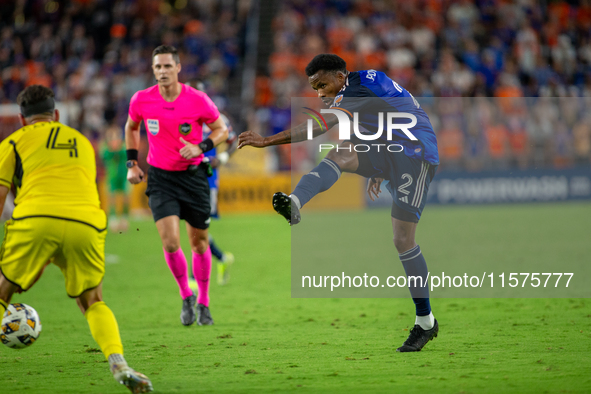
418	338
283	205
188	311
203	316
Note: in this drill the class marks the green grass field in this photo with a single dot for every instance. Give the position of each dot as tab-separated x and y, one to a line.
265	341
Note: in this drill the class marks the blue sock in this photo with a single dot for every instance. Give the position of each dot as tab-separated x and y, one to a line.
415	265
320	179
215	250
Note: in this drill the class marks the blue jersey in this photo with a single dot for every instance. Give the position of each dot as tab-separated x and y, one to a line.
213	179
393	98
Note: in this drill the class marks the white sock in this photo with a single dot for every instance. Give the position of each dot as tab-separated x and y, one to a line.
295	199
116	361
426	322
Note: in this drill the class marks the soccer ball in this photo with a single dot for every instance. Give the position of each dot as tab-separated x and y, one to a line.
20	326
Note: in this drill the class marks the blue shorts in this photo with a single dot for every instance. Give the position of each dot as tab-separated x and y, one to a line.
408	179
213	198
213	194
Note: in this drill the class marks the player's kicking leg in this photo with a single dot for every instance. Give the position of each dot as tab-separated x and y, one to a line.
168	228
201	271
104	330
426	326
320	179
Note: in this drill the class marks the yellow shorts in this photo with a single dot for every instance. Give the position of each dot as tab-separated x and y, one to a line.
76	248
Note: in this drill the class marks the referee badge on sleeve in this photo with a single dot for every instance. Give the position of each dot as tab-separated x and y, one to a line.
153	126
185	128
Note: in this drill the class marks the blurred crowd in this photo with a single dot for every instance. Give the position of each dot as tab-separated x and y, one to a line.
439	48
96	54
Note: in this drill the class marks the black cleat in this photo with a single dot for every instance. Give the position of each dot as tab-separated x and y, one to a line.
203	316
283	205
188	311
418	338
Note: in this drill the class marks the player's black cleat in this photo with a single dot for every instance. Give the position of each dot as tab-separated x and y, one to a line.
418	338
203	316
283	205
188	311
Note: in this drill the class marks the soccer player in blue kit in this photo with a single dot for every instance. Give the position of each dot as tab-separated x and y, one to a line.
409	169
215	158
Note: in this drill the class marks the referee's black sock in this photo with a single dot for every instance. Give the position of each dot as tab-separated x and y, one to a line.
320	179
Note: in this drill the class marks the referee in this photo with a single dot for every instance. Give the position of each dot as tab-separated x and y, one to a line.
173	114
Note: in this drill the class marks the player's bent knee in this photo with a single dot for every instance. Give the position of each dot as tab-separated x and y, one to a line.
346	160
403	243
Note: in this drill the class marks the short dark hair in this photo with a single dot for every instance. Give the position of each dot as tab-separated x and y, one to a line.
326	62
35	94
163	49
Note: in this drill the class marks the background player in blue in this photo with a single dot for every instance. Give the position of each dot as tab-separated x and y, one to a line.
225	259
408	172
217	159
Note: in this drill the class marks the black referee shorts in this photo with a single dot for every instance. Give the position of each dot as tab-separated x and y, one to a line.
181	193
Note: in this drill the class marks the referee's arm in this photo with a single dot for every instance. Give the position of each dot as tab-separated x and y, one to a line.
219	131
132	142
132	134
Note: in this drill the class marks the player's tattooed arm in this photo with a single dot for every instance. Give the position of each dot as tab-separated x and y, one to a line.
296	134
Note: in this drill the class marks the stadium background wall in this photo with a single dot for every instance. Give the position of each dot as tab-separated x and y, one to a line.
241	193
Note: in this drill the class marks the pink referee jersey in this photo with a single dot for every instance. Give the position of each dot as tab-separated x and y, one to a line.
166	122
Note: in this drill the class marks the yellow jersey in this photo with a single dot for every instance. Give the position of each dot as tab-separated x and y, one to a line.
54	171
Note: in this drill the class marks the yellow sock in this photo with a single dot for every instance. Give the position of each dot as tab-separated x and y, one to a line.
3	307
104	329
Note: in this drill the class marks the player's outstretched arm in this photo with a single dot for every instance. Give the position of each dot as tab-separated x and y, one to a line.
132	141
296	134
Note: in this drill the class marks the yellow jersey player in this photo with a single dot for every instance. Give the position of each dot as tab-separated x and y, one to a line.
57	218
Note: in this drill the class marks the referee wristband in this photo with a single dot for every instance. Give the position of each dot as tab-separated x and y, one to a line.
132	154
206	145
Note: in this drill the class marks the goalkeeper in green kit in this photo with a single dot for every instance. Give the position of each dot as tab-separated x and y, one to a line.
114	157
